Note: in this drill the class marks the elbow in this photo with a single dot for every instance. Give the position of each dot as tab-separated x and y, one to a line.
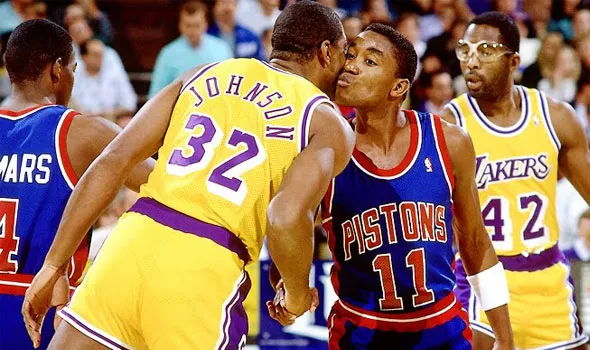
283	220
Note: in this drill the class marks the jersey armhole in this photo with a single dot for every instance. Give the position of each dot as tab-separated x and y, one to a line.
455	111
548	123
306	116
443	153
61	148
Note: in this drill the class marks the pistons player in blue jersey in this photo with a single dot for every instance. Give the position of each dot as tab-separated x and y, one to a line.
393	213
44	148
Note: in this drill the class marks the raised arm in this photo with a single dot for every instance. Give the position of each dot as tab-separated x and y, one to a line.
485	274
574	155
291	211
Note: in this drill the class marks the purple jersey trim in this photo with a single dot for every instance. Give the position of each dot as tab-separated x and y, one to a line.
198	74
533	262
182	222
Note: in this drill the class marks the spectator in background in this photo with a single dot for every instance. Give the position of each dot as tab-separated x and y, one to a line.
581	23
12	13
438	90
582	44
352	27
4	78
333	4
99	90
97	20
444	14
257	15
265	38
562	14
509	7
242	41
561	81
582	102
374	11
529	45
407	24
580	249
540	13
193	47
550	46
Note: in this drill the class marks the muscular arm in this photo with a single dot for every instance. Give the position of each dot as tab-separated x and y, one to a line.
291	211
100	184
475	247
574	155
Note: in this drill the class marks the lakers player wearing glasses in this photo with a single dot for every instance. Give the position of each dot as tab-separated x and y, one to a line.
521	137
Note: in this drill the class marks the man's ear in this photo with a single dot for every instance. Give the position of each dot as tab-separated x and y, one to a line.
400	88
56	70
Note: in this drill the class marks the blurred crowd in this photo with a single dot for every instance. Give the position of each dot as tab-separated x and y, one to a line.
554	51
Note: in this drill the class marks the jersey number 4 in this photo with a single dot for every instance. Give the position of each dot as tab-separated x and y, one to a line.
414	260
8	238
224	179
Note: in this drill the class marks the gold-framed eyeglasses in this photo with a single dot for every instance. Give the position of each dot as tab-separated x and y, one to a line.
486	51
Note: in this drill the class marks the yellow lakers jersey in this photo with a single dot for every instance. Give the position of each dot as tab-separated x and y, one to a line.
516	173
235	130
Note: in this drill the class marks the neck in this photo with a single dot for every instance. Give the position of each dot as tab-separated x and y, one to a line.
30	95
92	72
501	104
379	127
226	25
308	71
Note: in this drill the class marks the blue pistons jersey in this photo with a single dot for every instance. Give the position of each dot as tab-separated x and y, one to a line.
391	235
36	181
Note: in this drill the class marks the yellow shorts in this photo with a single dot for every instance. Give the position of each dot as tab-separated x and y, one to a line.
155	287
542	308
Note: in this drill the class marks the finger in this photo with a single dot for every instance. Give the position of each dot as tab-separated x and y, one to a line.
315	299
31	323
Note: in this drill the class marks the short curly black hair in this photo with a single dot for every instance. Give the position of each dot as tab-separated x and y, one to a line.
32	46
406	56
504	23
301	28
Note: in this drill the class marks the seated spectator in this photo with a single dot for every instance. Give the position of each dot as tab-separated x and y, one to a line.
100	90
438	90
408	25
569	206
265	38
374	11
98	20
81	32
582	102
561	83
4	78
193	47
13	12
581	23
580	249
550	46
352	27
243	42
257	15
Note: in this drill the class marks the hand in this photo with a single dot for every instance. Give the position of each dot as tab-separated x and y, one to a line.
50	287
285	309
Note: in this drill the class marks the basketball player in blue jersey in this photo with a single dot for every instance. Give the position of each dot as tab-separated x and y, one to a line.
275	143
389	216
521	137
44	149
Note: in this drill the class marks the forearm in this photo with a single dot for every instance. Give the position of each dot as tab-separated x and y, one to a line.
500	322
291	248
95	191
477	252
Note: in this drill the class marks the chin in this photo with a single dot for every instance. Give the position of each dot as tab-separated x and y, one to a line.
343	99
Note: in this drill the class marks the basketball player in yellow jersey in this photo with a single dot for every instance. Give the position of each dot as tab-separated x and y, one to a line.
521	137
245	149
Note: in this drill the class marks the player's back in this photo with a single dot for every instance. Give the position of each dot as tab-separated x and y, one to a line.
390	231
516	173
36	180
235	130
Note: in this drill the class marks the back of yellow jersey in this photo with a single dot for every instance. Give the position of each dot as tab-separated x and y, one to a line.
235	130
516	173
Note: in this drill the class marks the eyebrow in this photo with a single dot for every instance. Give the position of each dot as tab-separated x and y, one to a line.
371	49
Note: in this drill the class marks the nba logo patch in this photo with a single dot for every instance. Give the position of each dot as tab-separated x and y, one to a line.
428	165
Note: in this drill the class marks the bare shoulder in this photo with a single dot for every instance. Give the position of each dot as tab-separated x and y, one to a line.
447	115
459	144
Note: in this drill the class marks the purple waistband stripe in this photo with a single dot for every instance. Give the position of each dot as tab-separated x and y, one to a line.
533	262
182	222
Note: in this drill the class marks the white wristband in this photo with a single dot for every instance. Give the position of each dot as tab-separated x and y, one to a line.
490	287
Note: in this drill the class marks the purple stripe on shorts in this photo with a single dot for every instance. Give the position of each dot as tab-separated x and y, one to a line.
462	287
182	222
235	326
533	262
91	331
306	115
198	75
